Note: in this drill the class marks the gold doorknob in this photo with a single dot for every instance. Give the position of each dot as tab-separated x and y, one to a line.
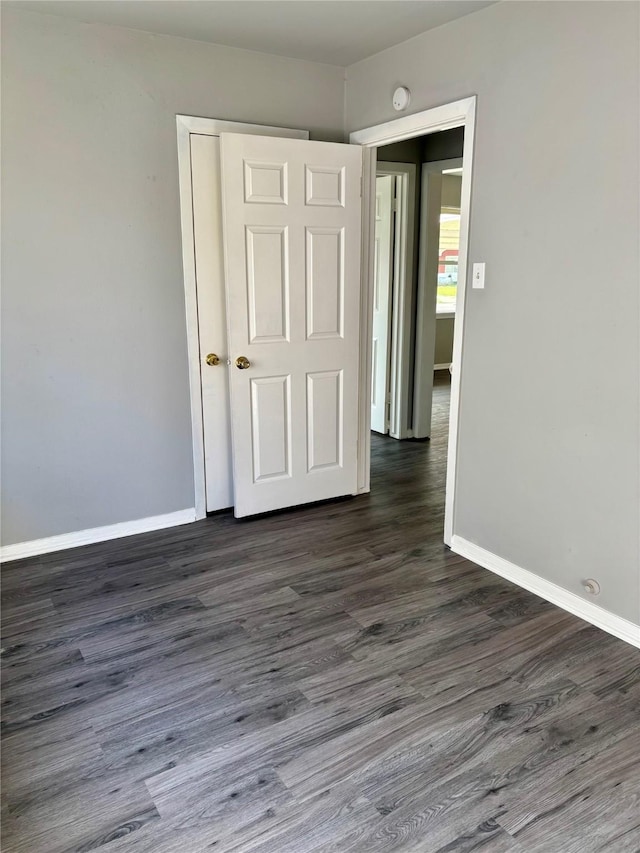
212	359
242	362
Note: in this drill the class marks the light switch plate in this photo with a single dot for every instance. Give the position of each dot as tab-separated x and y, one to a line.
477	280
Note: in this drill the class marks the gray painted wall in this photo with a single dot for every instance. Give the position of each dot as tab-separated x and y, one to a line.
96	417
443	353
451	190
445	145
548	453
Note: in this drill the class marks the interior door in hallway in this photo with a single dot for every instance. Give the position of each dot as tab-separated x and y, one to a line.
382	285
292	242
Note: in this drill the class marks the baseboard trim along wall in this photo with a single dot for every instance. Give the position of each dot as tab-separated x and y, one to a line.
604	619
95	534
442	366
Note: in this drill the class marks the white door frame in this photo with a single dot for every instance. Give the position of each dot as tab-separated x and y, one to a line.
186	125
402	299
382	310
456	114
426	311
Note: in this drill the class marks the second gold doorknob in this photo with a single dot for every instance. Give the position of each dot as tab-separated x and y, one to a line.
242	362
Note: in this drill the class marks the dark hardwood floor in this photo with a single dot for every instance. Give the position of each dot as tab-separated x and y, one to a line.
327	679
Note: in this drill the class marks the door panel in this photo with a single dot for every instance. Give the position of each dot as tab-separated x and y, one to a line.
271	427
325	414
292	231
268	283
325	282
382	285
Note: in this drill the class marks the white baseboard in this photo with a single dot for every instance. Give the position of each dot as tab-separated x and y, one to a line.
442	366
95	534
604	619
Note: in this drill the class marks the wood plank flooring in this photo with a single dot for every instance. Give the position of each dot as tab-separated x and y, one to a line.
327	679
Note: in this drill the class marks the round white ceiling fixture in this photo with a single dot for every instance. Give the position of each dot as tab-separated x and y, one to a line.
401	98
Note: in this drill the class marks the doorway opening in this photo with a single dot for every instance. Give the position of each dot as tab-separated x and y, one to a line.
417	244
424	328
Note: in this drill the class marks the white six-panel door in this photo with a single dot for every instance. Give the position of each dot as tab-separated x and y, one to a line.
201	212
292	232
382	282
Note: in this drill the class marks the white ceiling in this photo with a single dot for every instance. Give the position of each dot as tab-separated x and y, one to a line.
338	32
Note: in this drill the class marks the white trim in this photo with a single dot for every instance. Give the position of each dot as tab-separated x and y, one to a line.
459	325
95	534
433	120
402	305
186	125
445	314
569	601
216	126
442	366
456	114
366	319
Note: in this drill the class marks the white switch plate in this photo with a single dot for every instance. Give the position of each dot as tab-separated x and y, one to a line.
477	280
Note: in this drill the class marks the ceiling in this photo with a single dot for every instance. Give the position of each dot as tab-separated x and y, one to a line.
338	32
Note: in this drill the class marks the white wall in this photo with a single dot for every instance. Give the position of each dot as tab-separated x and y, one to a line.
96	418
549	434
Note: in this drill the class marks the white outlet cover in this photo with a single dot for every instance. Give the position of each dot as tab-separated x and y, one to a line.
401	98
477	278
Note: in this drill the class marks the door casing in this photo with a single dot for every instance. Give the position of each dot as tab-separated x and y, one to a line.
385	245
